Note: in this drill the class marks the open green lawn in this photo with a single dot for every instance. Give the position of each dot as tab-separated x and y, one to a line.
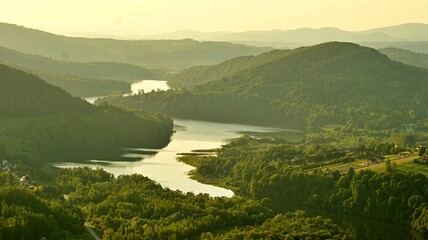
414	167
403	165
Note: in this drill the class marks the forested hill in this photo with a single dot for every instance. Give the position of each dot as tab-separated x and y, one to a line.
406	56
24	94
331	83
111	70
202	74
198	75
39	121
80	79
165	53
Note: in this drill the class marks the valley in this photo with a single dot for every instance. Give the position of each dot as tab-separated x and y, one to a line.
308	133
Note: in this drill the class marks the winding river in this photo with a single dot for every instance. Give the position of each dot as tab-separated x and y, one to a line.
161	165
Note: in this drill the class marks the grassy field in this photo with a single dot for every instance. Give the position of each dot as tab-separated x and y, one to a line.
402	164
398	161
414	167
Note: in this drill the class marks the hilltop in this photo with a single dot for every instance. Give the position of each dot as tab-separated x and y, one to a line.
411	36
331	83
198	75
154	53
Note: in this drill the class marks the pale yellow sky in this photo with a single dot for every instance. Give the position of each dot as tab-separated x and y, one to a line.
140	17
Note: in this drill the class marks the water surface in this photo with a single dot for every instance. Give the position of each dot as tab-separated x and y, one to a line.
162	166
145	85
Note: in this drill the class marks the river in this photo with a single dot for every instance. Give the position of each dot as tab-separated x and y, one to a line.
161	165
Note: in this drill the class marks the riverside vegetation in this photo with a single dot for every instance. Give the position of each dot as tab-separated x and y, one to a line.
299	174
357	89
331	83
50	122
267	173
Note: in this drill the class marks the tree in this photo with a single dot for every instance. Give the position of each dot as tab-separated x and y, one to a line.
422	151
388	166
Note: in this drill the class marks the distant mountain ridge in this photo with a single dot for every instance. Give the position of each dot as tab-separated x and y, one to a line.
330	83
403	32
412	36
153	53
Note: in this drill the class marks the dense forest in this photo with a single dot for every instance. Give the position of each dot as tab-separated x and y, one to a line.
27	214
152	53
331	83
134	207
352	161
292	174
50	122
198	75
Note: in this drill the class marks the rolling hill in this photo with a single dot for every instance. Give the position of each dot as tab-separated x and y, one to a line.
153	53
40	122
406	56
198	75
331	83
80	79
411	36
107	70
24	94
76	85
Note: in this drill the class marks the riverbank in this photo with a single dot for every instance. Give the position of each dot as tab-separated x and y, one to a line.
194	161
358	224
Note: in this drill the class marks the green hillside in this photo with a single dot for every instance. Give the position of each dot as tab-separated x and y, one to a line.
76	85
82	86
110	70
331	83
39	121
80	79
202	74
158	53
24	94
406	56
198	75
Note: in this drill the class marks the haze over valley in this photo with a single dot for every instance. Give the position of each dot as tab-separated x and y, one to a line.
273	120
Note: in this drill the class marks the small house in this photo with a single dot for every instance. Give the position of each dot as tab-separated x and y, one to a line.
25	180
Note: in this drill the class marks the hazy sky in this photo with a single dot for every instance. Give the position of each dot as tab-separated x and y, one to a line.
139	17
